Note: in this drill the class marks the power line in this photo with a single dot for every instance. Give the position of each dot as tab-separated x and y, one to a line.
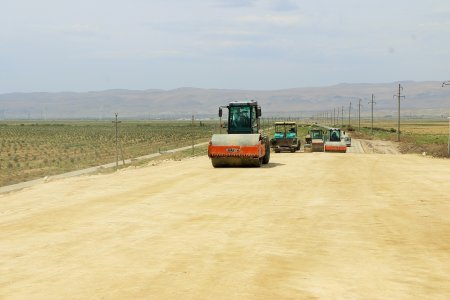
399	96
448	150
359	114
116	122
334	117
349	111
372	102
192	135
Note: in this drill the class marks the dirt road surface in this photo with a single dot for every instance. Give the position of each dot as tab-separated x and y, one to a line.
377	146
306	226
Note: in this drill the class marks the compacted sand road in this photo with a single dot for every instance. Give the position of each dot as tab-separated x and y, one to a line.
308	225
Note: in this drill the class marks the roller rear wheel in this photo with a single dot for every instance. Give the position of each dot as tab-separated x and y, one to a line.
266	157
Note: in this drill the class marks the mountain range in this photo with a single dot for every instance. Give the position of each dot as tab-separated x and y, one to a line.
427	98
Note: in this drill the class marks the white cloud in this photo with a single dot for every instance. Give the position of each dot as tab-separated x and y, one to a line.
273	20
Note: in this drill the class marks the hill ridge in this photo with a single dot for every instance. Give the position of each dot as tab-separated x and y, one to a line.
422	98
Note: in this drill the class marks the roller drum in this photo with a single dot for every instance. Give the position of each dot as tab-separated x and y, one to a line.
235	139
236	150
223	162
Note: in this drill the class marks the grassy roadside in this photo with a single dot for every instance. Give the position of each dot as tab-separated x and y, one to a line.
429	136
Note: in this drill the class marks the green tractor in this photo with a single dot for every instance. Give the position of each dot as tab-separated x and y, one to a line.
285	137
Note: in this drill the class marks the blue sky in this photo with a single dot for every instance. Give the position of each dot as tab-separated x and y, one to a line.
58	45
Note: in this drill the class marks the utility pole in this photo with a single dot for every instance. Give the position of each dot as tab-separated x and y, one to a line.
338	116
336	123
448	150
192	135
372	102
349	111
342	116
399	96
334	117
359	114
116	122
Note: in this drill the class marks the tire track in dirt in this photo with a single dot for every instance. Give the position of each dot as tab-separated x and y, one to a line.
379	147
307	225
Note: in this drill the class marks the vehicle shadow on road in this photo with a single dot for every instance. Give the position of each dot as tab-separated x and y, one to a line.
272	165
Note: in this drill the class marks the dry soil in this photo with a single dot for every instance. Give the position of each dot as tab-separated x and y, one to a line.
306	226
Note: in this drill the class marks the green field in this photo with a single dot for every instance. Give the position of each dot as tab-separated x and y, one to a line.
30	150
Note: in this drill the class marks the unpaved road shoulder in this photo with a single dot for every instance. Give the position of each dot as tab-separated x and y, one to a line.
379	146
308	225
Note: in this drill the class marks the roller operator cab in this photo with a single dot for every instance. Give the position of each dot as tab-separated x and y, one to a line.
335	142
244	144
243	117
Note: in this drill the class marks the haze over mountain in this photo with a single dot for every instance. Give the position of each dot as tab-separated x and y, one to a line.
422	99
